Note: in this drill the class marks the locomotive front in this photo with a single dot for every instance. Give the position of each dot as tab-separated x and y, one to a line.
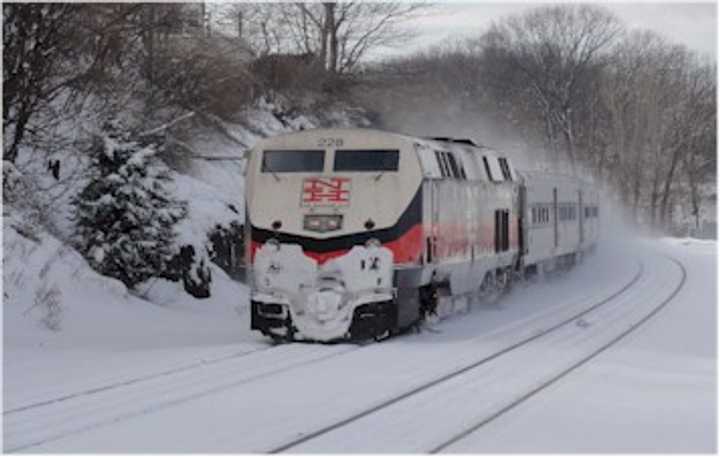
330	215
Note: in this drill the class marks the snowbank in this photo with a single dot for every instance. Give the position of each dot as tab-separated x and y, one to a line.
206	209
52	298
688	241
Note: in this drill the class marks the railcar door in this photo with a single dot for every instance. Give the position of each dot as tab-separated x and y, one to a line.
581	217
522	224
555	216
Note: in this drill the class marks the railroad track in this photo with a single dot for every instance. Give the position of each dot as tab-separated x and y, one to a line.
131	380
361	426
48	420
549	382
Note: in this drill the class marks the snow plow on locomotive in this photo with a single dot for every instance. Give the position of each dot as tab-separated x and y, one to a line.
356	233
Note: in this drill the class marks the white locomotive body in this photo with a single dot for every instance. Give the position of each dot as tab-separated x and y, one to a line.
357	232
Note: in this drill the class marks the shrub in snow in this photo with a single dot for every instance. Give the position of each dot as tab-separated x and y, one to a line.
47	300
125	216
227	247
20	195
193	270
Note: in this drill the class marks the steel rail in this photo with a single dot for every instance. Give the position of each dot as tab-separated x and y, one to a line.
452	374
529	394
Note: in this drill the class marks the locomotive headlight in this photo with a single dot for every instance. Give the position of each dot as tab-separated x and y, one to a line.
322	222
373	243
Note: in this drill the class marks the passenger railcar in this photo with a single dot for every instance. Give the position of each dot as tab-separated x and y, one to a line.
357	233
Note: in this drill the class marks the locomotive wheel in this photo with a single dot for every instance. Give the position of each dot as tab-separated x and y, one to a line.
276	339
372	322
428	301
494	285
288	337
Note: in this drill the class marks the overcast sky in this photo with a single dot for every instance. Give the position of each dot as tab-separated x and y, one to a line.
692	24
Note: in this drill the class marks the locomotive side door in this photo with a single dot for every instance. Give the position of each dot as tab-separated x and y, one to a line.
431	219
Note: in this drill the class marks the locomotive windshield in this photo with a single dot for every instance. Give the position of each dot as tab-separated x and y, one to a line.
293	161
366	160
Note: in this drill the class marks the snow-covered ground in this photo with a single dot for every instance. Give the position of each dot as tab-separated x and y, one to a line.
187	376
656	391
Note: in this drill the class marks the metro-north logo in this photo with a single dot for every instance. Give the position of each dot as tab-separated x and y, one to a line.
326	191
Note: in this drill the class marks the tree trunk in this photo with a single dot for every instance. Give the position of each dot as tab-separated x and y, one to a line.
636	195
653	201
240	24
22	119
330	33
667	188
694	195
149	43
324	41
569	144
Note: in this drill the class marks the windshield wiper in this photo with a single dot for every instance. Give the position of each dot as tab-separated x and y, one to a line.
267	167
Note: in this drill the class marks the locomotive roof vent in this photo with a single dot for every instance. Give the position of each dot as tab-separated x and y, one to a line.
465	141
439	138
454	140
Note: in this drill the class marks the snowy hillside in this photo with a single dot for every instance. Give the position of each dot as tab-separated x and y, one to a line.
43	303
53	299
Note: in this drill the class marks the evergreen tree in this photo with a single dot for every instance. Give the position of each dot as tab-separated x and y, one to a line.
125	216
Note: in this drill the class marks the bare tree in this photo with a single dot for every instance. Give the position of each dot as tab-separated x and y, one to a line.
692	119
661	107
549	50
338	34
632	88
53	54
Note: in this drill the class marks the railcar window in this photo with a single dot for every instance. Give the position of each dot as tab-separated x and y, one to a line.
461	167
292	161
453	165
445	165
541	215
366	160
449	171
487	168
505	168
567	212
441	162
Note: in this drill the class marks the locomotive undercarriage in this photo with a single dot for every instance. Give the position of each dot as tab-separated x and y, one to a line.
374	320
335	302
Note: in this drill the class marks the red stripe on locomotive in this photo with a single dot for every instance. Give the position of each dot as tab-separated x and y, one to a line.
408	248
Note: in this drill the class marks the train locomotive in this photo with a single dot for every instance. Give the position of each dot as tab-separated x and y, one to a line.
358	233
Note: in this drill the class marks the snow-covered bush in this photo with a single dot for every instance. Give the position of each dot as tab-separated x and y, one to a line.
125	215
19	194
194	271
228	247
47	300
